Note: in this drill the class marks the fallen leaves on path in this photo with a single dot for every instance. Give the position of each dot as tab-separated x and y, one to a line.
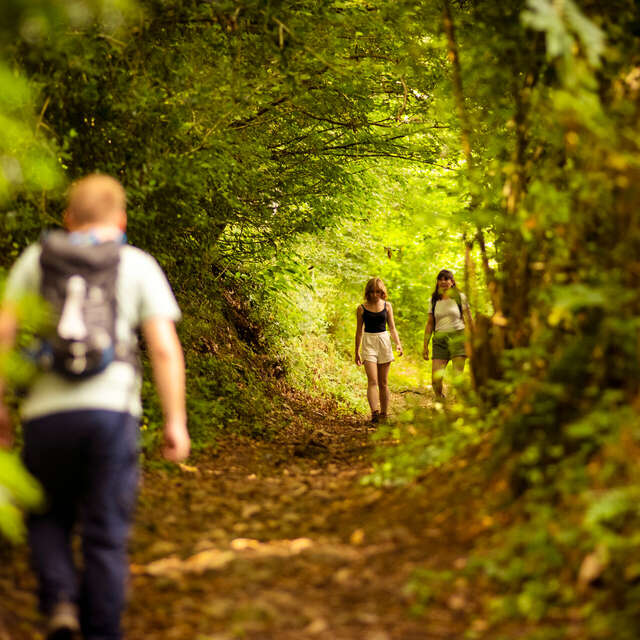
280	541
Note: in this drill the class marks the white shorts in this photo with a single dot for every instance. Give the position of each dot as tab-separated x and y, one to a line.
376	347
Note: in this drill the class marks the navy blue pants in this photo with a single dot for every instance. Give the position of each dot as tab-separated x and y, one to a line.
86	461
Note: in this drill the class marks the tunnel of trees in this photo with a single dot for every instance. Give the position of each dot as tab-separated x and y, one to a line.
277	154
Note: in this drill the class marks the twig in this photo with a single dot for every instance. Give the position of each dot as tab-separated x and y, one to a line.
310	51
111	39
40	122
404	100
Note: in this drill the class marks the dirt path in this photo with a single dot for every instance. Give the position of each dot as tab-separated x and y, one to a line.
281	541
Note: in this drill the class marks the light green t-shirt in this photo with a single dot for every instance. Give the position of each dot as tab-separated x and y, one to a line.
142	292
448	316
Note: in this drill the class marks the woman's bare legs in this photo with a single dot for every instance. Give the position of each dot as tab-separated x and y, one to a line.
437	376
372	385
383	387
438	367
458	363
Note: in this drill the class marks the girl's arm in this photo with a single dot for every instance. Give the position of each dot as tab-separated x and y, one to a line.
359	323
392	328
428	330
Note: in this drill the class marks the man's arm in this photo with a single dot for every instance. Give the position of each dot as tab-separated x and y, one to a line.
167	362
8	329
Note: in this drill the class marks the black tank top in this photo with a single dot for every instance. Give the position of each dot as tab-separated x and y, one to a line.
375	321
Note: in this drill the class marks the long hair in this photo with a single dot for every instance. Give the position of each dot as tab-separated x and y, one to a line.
373	285
444	274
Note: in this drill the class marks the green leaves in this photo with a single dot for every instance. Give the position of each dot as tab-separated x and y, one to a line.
18	491
570	299
562	24
26	161
611	508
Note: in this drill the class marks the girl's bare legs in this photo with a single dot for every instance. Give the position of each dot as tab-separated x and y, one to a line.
458	363
372	385
437	375
383	387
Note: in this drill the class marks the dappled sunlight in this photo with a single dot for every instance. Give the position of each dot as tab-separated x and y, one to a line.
411	374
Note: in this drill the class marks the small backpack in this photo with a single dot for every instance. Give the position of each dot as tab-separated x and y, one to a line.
455	295
79	283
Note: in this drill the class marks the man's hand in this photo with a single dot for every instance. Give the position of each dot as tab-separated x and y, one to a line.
167	363
6	428
425	353
358	359
399	350
177	443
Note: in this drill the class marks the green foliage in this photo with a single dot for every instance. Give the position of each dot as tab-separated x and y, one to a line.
284	153
238	156
562	26
18	491
425	585
28	160
424	439
261	129
404	229
230	380
549	121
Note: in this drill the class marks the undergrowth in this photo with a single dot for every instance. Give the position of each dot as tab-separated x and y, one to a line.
230	382
563	556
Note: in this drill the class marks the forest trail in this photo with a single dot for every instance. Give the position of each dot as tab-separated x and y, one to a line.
279	540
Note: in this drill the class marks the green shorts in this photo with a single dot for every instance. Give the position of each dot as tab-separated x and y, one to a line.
448	345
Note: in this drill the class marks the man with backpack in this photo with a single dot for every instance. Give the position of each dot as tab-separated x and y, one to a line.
80	415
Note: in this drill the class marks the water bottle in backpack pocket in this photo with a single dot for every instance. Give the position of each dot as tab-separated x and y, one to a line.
79	284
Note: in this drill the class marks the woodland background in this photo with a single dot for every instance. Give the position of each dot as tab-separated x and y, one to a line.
277	154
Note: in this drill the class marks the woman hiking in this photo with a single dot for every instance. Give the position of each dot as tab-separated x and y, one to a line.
448	321
374	314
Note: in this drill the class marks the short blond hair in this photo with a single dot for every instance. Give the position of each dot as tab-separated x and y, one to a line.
375	285
95	198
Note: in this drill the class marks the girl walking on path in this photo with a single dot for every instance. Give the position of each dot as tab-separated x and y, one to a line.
375	314
449	320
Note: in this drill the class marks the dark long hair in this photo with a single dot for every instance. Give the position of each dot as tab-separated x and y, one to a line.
436	295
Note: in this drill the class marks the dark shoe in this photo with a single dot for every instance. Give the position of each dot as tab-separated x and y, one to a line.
375	417
63	622
383	417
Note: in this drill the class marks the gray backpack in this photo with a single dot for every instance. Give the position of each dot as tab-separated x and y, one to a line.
79	283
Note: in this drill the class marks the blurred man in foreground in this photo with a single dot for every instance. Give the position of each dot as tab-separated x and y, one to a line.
80	416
